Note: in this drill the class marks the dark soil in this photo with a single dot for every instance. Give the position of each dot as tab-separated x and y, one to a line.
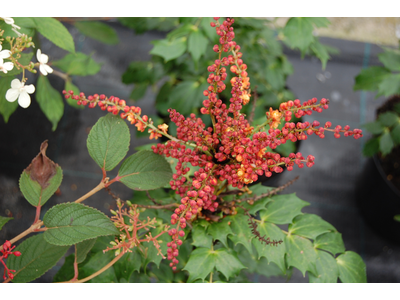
391	162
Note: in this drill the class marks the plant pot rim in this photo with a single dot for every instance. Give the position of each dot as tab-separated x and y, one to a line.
383	175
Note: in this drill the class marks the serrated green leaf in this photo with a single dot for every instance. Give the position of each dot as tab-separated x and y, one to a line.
200	237
327	269
321	52
386	143
50	101
275	254
352	268
390	85
369	78
69	86
3	221
108	141
83	248
388	118
200	264
374	127
99	31
33	191
227	262
257	190
282	209
300	254
169	49
309	226
145	170
219	231
371	147
390	59
54	31
78	64
6	108
125	266
396	134
71	223
330	241
241	231
197	44
37	257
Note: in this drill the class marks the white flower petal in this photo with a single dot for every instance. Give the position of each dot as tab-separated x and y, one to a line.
8	20
8	66
44	58
42	69
38	54
48	68
12	95
16	84
29	89
24	99
5	53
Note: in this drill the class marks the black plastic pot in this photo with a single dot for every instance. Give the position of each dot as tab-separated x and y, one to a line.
379	201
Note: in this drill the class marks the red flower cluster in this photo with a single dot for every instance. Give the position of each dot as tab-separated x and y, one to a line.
5	252
231	152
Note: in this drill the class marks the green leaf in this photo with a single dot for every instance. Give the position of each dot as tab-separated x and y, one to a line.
390	59
283	208
96	262
200	264
321	52
301	254
71	223
125	266
83	248
54	31
369	78
3	221
197	44
219	231
169	49
200	237
50	101
207	29
374	127
69	86
260	204
330	241
309	226
78	64
327	269
27	27
186	96
351	267
108	141
242	233
66	272
37	257
138	91
6	108
145	170
390	85
274	254
371	147
227	262
386	143
396	134
396	218
162	97
388	118
34	193
99	31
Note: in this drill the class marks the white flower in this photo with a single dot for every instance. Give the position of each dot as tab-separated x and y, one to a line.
4	53
20	91
43	59
5	67
10	21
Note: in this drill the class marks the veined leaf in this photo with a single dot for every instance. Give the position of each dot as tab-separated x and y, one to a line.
369	78
108	141
220	231
169	49
330	241
145	170
309	226
327	269
351	267
200	237
301	254
71	223
200	264
241	231
83	248
37	257
99	31
78	64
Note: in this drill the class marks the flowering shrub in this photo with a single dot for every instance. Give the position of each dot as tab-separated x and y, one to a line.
209	217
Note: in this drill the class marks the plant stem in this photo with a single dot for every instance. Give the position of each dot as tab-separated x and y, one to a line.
92	192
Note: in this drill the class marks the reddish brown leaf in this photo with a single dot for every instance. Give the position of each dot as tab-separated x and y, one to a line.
42	169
